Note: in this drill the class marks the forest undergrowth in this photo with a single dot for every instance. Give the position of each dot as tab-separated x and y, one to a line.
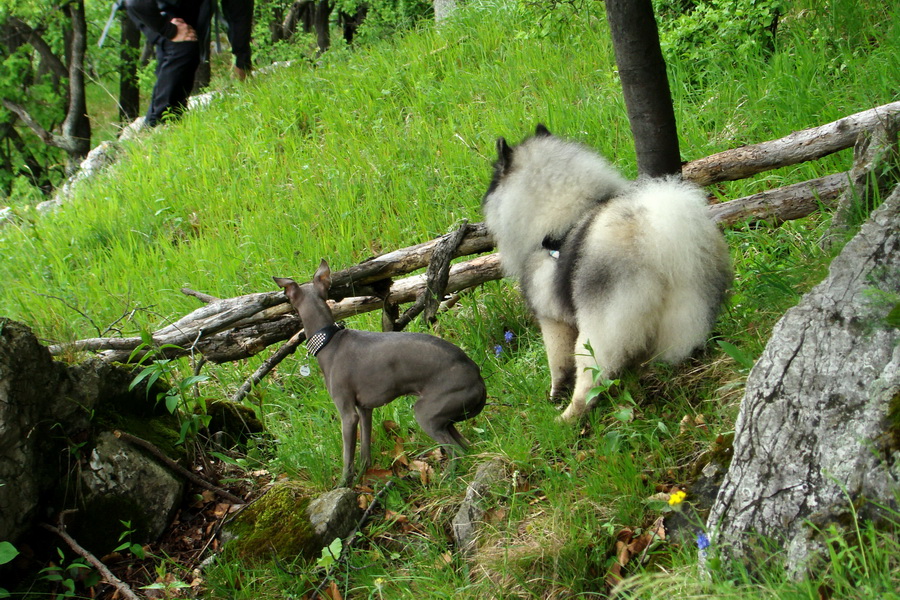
382	146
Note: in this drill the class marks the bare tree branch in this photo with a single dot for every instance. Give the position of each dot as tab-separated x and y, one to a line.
33	37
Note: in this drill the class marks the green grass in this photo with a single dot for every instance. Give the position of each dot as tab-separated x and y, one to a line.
390	145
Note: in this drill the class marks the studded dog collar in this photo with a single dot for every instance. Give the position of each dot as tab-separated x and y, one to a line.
320	339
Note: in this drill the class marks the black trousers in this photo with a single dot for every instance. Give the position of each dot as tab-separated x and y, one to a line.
176	62
176	65
239	16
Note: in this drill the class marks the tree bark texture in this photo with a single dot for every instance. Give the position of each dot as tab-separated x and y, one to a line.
129	53
817	439
77	126
645	86
800	146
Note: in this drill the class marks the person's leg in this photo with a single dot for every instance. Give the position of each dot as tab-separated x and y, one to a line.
239	16
176	64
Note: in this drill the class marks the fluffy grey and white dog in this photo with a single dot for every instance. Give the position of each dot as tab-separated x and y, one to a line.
636	269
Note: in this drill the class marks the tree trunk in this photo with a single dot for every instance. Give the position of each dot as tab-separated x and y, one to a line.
129	53
817	438
645	86
75	135
77	126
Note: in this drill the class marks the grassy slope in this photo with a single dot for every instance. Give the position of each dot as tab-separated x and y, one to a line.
389	146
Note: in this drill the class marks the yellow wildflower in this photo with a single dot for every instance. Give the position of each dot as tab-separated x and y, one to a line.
676	498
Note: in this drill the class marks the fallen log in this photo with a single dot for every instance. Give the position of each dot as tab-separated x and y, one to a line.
475	240
231	329
235	328
783	204
249	310
800	146
249	339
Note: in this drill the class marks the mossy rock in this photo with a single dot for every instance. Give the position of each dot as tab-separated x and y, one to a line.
289	522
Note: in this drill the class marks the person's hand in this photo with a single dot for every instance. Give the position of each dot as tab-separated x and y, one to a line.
186	33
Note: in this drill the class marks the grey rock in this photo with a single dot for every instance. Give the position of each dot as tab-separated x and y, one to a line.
814	439
119	469
334	514
468	520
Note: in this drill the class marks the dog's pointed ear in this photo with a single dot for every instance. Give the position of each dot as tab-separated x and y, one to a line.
322	279
283	282
504	155
541	131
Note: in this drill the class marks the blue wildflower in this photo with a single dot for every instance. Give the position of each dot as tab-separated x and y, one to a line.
508	336
498	349
702	540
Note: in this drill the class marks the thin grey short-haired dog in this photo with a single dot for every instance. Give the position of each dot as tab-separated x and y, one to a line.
636	269
365	369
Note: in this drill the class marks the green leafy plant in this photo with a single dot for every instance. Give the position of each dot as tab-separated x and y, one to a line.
745	361
7	553
193	408
126	544
330	554
167	585
66	575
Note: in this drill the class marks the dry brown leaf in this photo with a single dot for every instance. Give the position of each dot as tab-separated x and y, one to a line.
333	592
495	515
390	515
686	423
424	469
659	528
376	473
398	448
391	427
660	497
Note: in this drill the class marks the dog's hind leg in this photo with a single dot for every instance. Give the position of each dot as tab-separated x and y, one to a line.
458	437
559	342
610	361
365	438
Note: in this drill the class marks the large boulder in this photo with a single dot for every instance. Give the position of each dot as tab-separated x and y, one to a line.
52	422
28	380
816	440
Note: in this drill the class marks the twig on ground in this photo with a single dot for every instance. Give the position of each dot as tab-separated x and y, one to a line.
192	477
107	575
